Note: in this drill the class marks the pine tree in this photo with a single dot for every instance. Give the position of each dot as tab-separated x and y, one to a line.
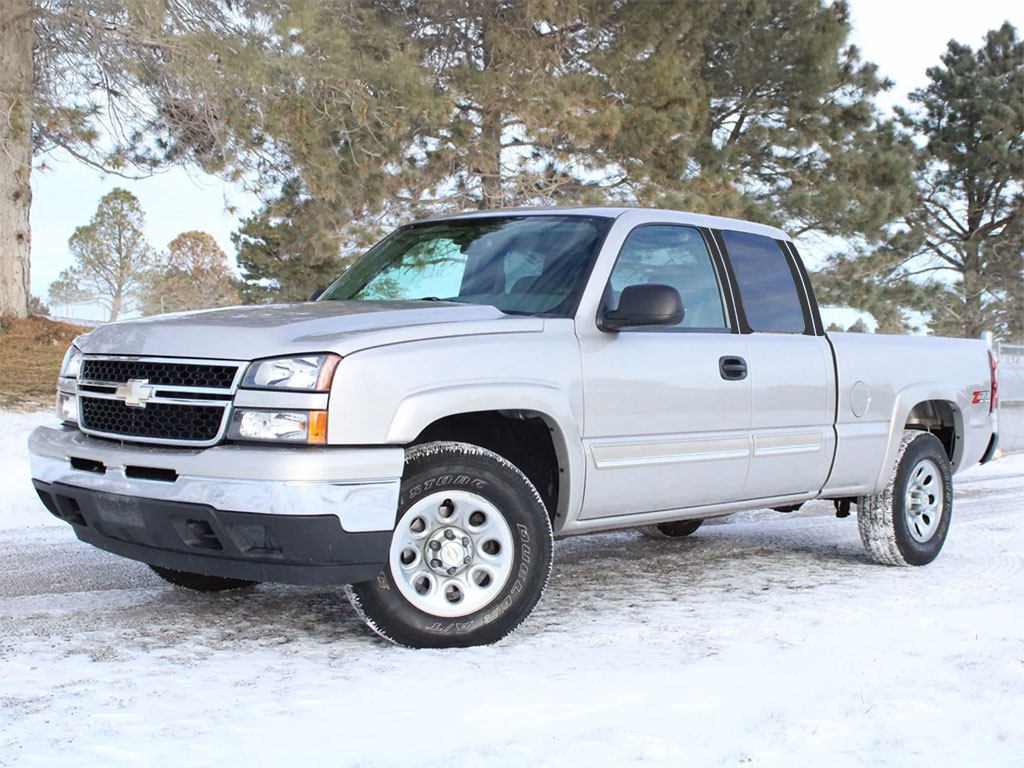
66	290
755	108
111	253
971	183
37	307
285	253
16	77
957	254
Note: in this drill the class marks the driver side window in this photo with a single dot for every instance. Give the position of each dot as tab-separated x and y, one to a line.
675	256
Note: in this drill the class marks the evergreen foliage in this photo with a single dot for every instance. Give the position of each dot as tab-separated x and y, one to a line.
754	108
111	253
957	254
66	290
351	117
37	307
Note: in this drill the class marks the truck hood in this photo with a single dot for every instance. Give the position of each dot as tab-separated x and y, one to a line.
344	327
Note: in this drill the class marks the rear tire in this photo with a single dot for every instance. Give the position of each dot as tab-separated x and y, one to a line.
470	554
674	530
907	523
199	582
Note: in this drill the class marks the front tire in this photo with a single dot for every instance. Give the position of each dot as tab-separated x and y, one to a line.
470	554
200	582
907	523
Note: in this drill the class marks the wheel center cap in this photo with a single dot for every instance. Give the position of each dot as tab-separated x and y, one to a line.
449	551
452	553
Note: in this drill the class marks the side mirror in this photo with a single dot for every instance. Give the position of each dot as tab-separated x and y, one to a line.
644	305
317	294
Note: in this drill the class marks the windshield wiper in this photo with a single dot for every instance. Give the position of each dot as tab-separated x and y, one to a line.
435	298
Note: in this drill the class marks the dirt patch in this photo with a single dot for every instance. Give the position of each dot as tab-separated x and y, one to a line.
31	352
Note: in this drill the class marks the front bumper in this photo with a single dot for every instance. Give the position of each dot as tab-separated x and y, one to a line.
294	515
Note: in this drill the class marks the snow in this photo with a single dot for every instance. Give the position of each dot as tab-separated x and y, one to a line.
766	639
19	505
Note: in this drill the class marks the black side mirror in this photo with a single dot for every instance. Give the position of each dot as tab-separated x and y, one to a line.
644	305
317	294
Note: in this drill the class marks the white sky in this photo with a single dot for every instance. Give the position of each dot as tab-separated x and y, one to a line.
904	37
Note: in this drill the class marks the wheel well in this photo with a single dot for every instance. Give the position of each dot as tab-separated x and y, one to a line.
935	416
522	437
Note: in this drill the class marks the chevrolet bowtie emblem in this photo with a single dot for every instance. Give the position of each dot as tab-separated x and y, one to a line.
134	392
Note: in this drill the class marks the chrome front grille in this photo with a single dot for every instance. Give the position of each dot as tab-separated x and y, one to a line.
157	400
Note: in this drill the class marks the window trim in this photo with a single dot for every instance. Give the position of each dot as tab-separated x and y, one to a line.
811	328
805	281
726	278
716	266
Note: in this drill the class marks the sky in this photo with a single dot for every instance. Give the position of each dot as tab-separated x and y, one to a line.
904	37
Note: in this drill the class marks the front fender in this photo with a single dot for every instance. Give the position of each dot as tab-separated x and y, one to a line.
389	395
420	409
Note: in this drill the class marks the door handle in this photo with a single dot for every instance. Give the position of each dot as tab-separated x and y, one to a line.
732	368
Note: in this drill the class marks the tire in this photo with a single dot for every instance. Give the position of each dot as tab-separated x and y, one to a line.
907	523
675	530
198	582
476	586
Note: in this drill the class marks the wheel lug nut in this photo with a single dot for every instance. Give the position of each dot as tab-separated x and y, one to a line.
451	571
466	560
435	563
449	534
435	545
465	541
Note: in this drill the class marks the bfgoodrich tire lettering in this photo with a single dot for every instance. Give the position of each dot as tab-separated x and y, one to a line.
437	474
907	523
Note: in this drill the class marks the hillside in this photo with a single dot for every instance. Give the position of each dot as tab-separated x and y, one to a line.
30	356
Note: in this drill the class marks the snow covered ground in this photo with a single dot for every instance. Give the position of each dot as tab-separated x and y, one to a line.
764	639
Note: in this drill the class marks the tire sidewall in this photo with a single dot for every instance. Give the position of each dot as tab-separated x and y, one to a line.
927	446
517	500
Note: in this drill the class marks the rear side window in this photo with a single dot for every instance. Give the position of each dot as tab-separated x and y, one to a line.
767	289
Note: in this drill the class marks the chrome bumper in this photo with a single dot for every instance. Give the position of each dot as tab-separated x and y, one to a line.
358	485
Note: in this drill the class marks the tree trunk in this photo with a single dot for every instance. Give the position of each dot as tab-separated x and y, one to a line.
16	87
490	165
490	125
974	322
115	307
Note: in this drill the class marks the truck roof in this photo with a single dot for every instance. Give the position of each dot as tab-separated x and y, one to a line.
611	212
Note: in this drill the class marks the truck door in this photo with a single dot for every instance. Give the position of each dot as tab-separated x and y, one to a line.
667	409
790	366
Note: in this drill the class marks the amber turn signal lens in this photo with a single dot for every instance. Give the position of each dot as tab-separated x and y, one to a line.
317	428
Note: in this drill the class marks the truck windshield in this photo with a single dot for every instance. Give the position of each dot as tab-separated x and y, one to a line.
533	265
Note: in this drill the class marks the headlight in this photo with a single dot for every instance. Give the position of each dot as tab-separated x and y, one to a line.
67	408
72	362
280	426
312	373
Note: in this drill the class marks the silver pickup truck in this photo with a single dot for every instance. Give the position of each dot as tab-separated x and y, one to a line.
476	385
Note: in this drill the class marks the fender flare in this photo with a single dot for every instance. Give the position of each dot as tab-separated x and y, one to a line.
903	403
420	409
